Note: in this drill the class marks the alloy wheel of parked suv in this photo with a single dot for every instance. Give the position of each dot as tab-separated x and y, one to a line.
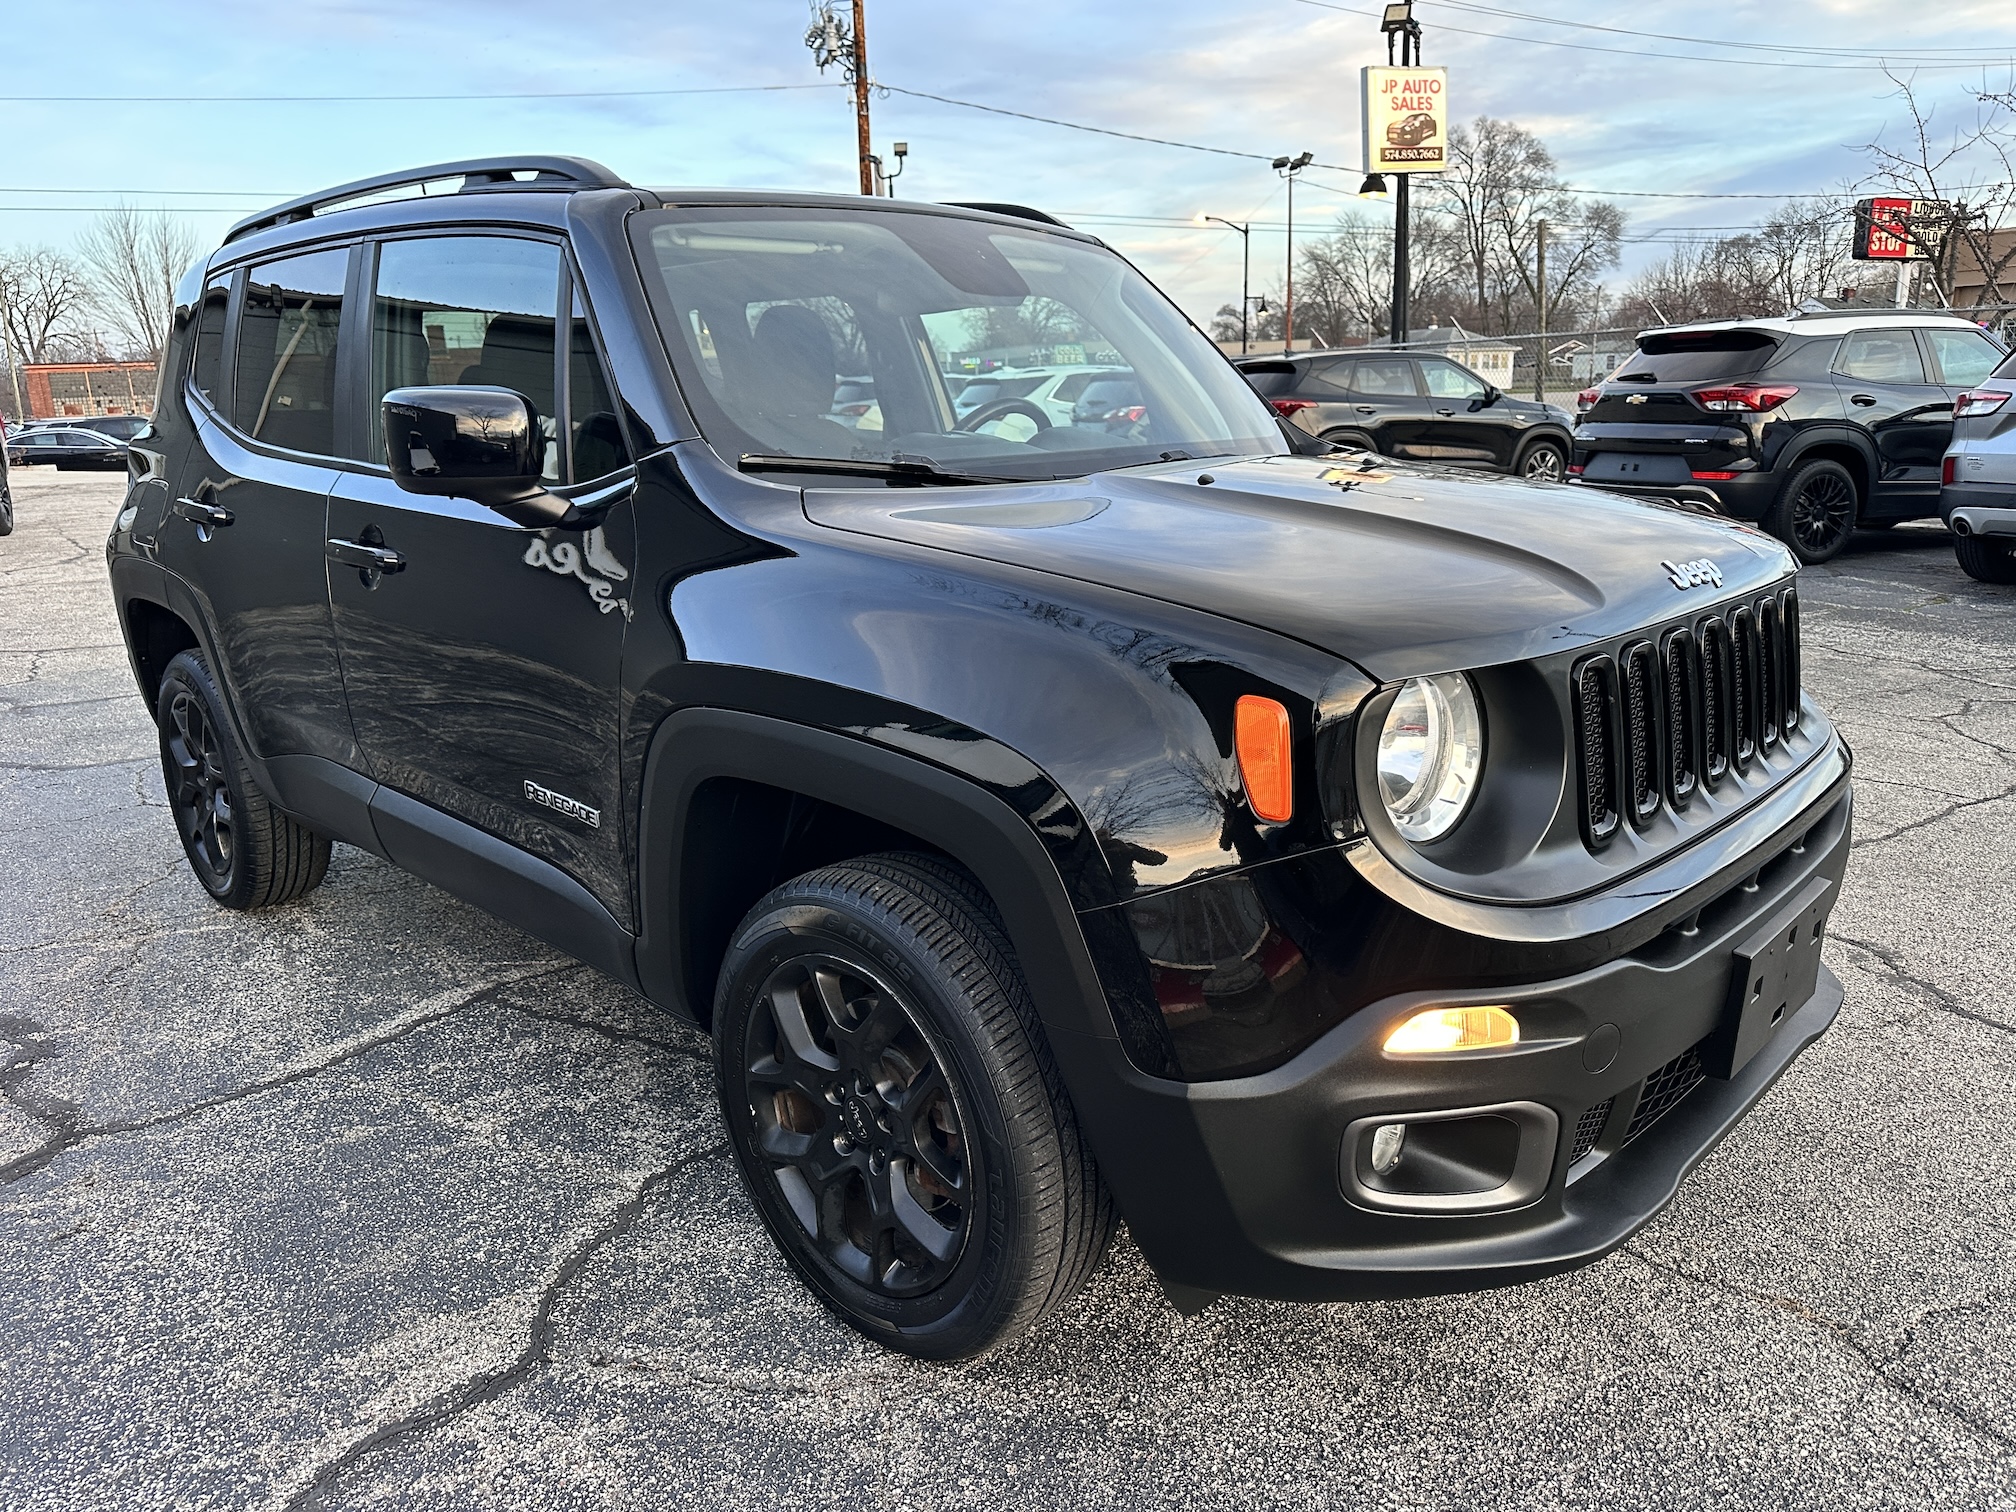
910	1149
1544	462
245	852
1816	513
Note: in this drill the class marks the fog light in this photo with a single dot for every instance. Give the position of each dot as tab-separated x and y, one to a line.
1438	1029
1387	1142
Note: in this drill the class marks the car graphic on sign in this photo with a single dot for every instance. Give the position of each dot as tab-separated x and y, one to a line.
1412	131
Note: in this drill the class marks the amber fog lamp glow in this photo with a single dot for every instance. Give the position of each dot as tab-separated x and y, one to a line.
1442	1029
1265	743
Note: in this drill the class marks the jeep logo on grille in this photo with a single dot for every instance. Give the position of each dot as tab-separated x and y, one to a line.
560	803
1693	574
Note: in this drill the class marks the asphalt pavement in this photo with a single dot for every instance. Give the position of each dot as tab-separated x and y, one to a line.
372	1202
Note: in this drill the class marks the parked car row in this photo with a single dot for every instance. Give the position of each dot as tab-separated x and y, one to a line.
1810	425
67	447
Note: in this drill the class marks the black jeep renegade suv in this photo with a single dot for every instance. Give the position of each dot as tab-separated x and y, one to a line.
1364	882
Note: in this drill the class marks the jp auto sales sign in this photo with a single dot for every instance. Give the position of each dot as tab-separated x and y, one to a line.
1406	120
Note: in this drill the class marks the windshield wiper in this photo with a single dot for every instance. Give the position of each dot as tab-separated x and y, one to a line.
917	470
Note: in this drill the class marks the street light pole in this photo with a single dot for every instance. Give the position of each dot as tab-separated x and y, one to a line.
1245	270
1288	167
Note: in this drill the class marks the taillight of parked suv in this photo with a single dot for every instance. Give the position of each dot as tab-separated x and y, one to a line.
1753	397
1972	406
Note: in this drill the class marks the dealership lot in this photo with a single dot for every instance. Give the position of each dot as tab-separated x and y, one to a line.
370	1201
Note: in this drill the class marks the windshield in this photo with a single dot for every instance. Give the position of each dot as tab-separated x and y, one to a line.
1696	357
765	308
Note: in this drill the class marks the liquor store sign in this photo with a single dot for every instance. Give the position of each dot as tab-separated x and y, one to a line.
1406	119
1883	228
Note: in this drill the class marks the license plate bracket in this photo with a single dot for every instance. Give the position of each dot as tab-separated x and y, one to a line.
1775	971
1623	467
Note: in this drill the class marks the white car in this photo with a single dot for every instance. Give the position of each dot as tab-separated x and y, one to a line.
1977	478
1054	390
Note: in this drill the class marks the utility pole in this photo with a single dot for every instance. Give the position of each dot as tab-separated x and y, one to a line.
833	42
861	94
1288	167
1540	269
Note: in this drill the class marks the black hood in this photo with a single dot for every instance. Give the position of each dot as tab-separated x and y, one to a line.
1402	571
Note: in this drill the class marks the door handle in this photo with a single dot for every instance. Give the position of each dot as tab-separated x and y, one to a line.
1445	412
215	516
364	558
1861	398
1366	409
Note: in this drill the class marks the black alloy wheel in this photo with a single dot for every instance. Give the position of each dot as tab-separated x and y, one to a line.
1543	462
891	1100
1815	514
245	852
199	794
859	1124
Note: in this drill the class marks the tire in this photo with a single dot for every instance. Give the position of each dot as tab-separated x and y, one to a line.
1815	511
1543	462
892	1103
1984	561
1356	440
6	513
245	852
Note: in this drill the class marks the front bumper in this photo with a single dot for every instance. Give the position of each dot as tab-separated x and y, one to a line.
1239	1185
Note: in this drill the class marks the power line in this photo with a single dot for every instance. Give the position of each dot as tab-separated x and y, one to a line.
353	99
1988	54
1634	52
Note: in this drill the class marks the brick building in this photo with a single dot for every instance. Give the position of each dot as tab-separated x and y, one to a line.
57	389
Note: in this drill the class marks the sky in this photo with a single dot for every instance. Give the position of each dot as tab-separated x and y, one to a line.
140	121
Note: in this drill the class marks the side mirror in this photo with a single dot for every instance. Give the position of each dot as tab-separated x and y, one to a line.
1492	394
471	442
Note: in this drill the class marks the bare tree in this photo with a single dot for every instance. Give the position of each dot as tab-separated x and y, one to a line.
44	291
136	259
1492	165
1792	256
1969	166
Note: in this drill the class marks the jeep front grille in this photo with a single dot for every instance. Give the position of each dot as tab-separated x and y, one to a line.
1654	724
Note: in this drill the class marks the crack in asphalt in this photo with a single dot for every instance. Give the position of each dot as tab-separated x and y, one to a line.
611	1032
68	1130
487	1386
1945	811
1884	1367
1893	962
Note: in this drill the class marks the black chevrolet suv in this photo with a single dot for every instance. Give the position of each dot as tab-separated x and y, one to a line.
1364	883
1812	425
1415	406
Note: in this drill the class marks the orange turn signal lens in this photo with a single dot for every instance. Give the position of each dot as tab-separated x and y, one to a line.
1440	1029
1266	744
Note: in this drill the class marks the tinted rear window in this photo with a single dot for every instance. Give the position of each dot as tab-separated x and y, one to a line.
1270	378
1696	357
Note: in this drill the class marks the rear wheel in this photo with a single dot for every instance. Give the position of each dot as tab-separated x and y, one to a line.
244	851
1984	561
1816	510
1543	462
893	1106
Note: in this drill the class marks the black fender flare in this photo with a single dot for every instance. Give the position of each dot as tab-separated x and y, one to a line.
1848	436
695	744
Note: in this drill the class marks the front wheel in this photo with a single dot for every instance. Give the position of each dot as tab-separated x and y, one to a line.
1815	512
892	1102
1984	561
1544	462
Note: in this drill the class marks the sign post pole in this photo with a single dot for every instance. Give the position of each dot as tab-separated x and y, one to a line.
1406	131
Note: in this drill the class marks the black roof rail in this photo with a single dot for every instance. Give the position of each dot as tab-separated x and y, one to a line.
568	173
1020	212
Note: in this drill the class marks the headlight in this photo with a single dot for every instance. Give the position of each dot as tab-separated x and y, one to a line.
1431	749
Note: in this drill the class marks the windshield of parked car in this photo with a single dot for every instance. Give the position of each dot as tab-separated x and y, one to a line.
766	309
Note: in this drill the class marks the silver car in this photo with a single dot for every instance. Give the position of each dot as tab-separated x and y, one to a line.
1977	479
